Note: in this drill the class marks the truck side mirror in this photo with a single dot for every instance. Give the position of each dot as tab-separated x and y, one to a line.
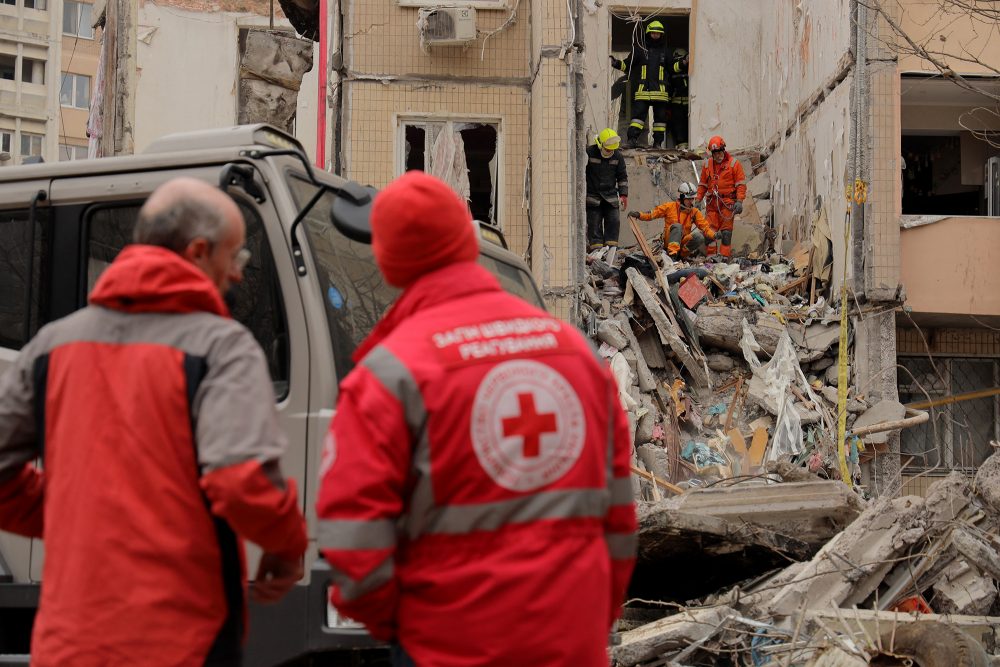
351	211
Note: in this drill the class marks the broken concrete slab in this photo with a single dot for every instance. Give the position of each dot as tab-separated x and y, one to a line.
883	411
721	363
271	72
987	481
964	590
656	460
832	375
812	511
721	327
747	238
759	186
764	209
673	632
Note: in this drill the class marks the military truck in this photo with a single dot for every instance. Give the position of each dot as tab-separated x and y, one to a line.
310	294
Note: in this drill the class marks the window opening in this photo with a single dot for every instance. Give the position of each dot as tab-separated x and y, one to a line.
463	154
74	91
35	4
933	183
77	19
5	141
8	66
31	144
255	302
68	152
32	71
627	35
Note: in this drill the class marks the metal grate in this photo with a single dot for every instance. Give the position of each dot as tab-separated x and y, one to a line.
958	435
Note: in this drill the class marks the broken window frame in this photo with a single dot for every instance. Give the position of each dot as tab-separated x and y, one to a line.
948	417
439	123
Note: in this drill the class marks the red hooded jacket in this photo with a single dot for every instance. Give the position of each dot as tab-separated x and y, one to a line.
475	503
154	415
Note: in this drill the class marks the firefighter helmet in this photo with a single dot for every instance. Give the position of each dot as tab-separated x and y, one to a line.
686	190
680	54
716	143
654	26
608	139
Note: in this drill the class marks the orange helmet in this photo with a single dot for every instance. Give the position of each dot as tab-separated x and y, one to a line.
716	143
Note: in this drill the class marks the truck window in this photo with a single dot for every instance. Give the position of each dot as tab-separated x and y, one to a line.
513	279
25	254
255	302
355	296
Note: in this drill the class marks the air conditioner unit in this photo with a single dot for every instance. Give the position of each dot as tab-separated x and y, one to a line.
441	26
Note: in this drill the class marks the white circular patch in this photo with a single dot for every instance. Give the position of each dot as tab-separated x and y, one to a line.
528	426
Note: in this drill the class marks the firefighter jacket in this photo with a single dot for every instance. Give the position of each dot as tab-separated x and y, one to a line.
726	181
475	503
606	177
154	415
679	81
648	70
672	215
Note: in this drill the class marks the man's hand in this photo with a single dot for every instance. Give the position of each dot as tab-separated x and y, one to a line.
624	200
634	214
738	207
275	576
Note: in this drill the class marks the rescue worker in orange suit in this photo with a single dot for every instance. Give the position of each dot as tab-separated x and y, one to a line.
154	415
607	189
685	230
476	473
648	66
679	99
723	188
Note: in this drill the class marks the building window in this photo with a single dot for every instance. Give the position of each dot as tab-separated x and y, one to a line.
75	91
8	66
960	430
463	154
5	141
7	2
32	71
31	144
35	4
78	19
68	152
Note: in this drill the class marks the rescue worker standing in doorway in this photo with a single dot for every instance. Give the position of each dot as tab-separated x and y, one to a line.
476	473
679	99
651	85
685	230
607	189
723	187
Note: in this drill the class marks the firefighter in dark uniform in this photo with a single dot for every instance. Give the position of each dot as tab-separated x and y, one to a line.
679	99
607	189
650	84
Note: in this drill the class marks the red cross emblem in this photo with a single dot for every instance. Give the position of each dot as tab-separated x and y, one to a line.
529	425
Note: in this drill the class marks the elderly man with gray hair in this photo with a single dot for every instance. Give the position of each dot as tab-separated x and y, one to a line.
153	414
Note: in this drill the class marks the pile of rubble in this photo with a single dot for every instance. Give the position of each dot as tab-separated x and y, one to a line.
908	581
726	368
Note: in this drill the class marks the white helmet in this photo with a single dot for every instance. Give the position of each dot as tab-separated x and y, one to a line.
686	190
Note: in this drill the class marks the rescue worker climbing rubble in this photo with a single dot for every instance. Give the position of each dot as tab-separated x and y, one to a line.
685	230
607	189
154	416
651	84
476	473
723	188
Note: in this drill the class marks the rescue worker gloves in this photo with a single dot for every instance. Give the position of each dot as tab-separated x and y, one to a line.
738	207
634	214
624	200
420	225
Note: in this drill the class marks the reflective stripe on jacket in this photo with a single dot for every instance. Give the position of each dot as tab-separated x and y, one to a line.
154	415
726	181
649	68
476	477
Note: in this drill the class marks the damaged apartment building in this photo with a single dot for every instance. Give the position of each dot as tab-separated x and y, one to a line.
867	129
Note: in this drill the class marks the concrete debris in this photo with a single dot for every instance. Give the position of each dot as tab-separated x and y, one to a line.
610	332
759	186
909	578
883	411
271	72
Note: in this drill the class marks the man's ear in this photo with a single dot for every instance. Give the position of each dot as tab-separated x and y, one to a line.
197	250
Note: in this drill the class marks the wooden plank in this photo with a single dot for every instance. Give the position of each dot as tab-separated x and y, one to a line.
672	488
794	285
757	446
668	334
739	442
732	405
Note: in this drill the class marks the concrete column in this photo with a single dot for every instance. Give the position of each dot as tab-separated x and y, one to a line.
557	242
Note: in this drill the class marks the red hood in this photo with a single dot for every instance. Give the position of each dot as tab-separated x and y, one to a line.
451	282
150	279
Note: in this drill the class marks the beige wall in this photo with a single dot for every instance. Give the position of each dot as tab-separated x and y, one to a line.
949	267
188	68
956	37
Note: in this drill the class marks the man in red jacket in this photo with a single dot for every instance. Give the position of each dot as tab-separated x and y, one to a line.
475	504
154	415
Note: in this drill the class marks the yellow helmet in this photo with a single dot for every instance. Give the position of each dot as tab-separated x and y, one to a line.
654	26
608	139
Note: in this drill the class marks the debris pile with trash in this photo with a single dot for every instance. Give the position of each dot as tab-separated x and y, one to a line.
907	580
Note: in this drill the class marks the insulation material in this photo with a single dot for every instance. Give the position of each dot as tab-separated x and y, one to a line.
448	159
772	381
623	377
